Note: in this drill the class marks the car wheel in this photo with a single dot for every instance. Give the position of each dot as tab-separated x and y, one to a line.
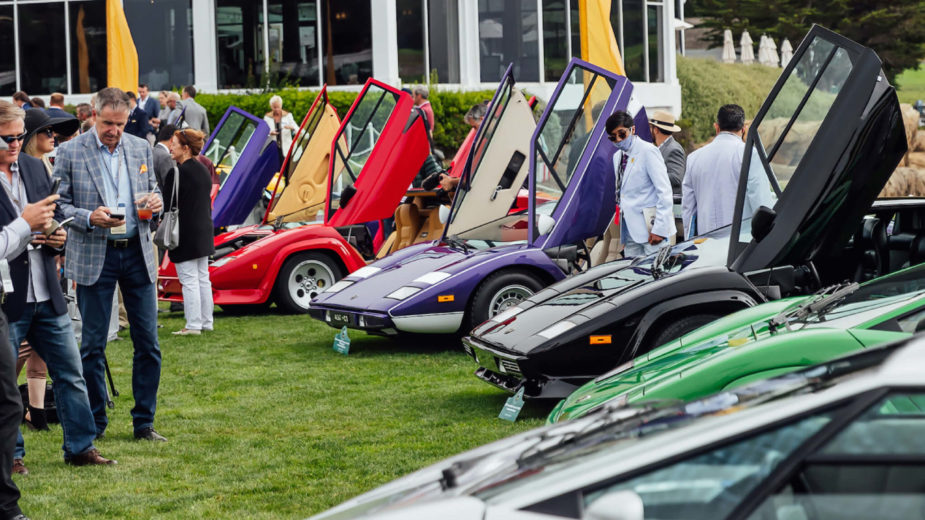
499	292
680	327
302	277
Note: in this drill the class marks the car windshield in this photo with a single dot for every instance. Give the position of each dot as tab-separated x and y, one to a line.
785	132
228	143
877	297
358	136
610	428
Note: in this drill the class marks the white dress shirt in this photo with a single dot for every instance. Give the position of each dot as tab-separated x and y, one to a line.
645	186
711	181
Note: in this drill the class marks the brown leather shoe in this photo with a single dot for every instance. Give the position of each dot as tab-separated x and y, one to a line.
19	467
88	458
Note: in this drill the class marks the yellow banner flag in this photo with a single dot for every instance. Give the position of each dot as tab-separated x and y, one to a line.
598	40
122	58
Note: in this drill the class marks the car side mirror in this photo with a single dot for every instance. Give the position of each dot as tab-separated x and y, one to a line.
762	222
544	224
619	505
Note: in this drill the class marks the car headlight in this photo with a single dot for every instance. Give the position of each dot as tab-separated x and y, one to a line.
222	261
339	286
557	329
432	278
506	315
365	272
403	292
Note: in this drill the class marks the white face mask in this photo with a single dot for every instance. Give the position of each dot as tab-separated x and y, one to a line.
625	144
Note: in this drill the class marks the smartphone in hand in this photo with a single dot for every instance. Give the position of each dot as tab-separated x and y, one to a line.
55	184
55	225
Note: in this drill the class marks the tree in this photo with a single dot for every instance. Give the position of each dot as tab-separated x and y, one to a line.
895	29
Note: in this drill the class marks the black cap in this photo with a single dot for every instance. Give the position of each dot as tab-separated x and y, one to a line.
37	119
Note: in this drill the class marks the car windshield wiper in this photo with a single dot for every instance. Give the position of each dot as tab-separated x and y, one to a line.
822	302
659	261
456	243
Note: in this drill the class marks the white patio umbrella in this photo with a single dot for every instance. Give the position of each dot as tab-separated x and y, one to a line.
748	53
729	50
786	52
772	53
763	57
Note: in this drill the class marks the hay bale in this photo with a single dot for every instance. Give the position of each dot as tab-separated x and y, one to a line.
911	124
918	144
905	182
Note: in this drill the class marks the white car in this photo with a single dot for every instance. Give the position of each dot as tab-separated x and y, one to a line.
845	439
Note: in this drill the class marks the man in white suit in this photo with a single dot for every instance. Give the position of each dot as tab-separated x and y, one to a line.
643	189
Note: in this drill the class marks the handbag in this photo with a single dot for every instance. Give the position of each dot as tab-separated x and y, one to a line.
167	235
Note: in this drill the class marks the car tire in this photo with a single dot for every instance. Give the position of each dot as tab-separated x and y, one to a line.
499	292
302	277
680	327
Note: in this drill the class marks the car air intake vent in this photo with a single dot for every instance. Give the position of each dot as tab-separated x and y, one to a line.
508	366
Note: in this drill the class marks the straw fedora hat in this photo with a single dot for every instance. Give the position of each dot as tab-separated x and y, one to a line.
665	121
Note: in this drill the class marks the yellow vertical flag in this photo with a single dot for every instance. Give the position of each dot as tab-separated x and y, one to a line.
598	40
122	58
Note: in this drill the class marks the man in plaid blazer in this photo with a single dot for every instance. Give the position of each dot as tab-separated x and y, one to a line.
103	172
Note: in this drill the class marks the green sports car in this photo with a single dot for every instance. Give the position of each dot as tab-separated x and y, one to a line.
763	341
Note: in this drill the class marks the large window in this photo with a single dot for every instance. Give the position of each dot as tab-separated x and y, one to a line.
348	47
641	30
561	36
508	33
293	36
428	52
7	59
42	47
239	63
163	34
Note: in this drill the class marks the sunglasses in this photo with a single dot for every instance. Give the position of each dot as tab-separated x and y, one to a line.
620	135
10	138
48	131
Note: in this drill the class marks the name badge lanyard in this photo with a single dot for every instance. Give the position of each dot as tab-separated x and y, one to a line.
118	172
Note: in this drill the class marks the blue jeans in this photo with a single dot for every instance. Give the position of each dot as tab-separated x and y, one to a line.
632	249
126	266
52	337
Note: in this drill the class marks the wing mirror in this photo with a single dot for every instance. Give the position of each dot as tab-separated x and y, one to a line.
762	222
619	505
544	224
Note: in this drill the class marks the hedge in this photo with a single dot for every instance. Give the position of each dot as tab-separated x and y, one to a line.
449	108
708	84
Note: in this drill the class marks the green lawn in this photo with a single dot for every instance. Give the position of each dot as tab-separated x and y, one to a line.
911	85
265	420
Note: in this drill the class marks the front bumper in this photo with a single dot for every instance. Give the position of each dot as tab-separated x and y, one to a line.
511	372
385	324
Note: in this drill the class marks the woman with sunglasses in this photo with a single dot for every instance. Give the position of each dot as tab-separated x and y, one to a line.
40	134
643	189
191	256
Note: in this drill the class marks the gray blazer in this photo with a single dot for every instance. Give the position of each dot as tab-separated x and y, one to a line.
163	163
675	161
82	190
195	116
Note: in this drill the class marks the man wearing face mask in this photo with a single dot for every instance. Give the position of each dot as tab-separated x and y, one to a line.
643	189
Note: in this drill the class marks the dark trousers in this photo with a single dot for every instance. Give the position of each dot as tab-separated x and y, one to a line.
10	417
127	267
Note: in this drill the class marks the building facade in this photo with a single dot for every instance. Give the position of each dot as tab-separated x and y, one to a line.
60	45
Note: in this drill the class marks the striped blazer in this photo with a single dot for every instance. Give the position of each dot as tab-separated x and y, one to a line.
82	190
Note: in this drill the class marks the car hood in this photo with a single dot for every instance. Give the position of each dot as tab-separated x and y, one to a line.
598	294
372	284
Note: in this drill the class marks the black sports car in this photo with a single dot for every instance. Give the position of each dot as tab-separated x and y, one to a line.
820	149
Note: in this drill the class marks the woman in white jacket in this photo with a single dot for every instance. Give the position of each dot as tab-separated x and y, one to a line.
282	125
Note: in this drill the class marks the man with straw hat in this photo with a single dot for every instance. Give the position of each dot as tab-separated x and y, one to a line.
662	126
